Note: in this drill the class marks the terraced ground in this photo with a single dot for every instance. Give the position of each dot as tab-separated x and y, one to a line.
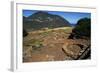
52	45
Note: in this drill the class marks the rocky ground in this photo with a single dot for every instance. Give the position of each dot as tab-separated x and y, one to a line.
54	45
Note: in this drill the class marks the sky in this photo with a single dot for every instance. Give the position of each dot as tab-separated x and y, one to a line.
72	17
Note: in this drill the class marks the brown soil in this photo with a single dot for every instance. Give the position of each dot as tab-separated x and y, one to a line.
52	43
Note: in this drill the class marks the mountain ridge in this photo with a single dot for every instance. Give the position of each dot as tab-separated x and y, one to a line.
43	19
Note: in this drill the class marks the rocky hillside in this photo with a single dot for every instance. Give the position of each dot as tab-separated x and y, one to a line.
41	20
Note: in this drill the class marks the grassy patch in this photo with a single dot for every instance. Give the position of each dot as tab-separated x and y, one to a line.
36	44
45	33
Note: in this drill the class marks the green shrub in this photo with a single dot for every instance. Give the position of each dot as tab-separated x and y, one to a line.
82	29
